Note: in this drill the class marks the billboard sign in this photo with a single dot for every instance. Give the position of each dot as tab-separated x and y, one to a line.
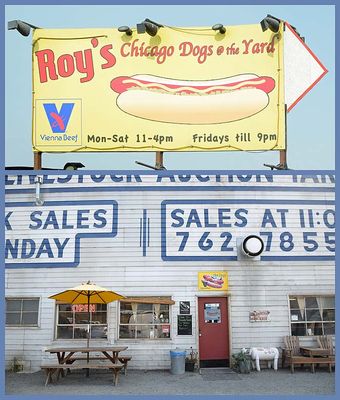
185	89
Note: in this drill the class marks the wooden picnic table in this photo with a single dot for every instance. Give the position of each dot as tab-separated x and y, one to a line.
68	360
65	354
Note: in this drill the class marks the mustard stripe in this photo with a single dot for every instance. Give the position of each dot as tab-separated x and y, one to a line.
159	85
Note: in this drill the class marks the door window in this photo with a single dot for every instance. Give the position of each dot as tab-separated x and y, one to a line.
212	313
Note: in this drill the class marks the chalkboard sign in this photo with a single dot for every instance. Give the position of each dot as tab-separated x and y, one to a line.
184	324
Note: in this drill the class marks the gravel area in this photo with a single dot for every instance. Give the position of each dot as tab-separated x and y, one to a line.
208	382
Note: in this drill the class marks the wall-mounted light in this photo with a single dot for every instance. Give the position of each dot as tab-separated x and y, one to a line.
73	166
271	23
249	248
220	28
252	245
125	29
148	26
38	199
24	28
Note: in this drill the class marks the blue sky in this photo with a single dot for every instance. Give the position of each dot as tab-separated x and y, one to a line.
311	124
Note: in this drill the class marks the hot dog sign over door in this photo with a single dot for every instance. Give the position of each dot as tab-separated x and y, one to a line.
185	89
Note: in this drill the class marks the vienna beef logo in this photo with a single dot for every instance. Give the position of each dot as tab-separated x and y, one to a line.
58	120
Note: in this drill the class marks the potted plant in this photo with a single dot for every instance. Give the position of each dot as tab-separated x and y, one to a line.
241	362
191	360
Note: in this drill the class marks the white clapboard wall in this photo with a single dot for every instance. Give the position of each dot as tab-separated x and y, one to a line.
138	251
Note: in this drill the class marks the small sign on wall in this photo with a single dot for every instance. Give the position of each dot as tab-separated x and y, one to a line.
213	280
259	316
184	307
184	324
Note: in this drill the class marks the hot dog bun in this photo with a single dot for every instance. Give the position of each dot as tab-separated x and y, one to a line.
192	102
208	109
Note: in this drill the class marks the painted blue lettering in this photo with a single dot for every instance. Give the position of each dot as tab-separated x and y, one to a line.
64	180
239	216
268	219
137	178
27	248
207	224
194	219
11	249
170	177
97	178
269	178
202	178
98	217
331	178
244	178
184	178
81	218
51	220
9	181
64	224
7	223
116	178
46	180
177	218
33	218
45	248
61	246
304	178
222	218
329	224
283	213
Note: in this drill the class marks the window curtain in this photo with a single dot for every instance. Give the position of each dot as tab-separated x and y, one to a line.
301	305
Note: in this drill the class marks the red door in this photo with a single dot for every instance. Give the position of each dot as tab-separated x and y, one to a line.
213	331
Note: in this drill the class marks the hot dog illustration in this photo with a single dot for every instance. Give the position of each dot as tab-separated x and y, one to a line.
212	281
212	284
193	102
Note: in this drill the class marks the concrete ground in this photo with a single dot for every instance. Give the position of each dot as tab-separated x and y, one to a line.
208	382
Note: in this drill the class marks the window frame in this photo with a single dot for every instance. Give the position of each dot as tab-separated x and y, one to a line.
304	321
151	324
22	299
75	325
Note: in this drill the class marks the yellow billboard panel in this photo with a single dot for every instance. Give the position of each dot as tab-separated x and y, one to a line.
185	89
213	280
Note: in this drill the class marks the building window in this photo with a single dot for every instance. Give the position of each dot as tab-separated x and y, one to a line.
73	321
144	321
22	311
312	315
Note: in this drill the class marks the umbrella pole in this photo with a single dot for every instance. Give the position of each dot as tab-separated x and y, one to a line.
88	332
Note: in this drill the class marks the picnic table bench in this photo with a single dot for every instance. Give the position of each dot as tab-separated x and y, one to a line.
122	359
68	360
52	368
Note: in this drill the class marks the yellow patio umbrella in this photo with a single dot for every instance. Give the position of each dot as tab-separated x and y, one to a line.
87	293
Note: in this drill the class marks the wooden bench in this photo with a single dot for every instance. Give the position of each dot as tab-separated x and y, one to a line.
292	354
302	360
123	359
54	367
